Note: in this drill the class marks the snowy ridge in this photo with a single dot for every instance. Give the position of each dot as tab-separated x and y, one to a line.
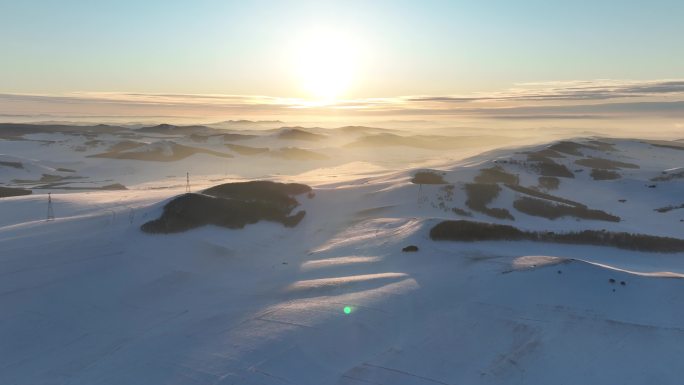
90	299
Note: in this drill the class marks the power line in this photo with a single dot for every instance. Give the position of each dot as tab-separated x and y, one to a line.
187	182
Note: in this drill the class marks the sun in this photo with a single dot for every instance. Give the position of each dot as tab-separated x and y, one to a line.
326	64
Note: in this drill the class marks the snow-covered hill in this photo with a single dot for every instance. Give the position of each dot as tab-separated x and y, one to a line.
90	299
129	156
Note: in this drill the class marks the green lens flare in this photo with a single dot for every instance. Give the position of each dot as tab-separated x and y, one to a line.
347	309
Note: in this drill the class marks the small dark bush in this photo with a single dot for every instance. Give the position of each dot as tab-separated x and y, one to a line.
410	249
498	213
601	174
469	231
606	164
496	174
480	195
461	212
545	209
548	167
549	182
474	231
6	192
640	242
667	177
669	208
428	177
11	164
554	169
114	186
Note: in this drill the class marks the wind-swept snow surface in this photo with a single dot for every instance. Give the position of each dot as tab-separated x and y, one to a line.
90	299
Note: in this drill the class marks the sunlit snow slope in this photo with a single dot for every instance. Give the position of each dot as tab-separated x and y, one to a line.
90	299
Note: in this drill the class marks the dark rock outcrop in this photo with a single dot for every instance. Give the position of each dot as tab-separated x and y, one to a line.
231	205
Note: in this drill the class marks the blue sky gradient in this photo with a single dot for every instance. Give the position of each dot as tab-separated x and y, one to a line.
413	47
603	59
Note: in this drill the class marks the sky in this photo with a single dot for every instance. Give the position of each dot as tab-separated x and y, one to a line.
383	57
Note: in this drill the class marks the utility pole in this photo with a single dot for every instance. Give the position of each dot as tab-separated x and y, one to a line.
420	194
50	211
187	182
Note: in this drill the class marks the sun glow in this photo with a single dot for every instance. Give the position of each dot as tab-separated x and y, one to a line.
327	64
